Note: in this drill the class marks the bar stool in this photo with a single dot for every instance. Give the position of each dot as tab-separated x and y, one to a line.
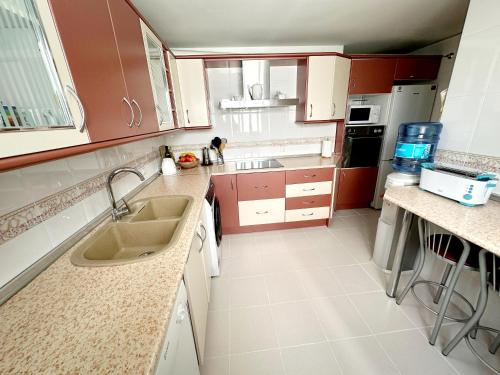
489	275
458	254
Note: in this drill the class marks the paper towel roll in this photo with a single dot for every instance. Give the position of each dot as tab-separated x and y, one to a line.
326	148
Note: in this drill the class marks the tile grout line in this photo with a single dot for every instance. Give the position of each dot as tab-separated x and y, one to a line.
375	336
268	296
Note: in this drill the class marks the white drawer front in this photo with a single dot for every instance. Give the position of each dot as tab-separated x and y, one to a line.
263	211
311	188
307	214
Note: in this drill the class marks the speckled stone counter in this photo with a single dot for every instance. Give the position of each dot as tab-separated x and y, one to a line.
107	320
479	225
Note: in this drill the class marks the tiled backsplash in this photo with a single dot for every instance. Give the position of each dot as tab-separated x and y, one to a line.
44	204
255	132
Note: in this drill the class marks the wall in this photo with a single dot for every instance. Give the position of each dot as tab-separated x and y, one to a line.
444	47
44	204
472	109
254	132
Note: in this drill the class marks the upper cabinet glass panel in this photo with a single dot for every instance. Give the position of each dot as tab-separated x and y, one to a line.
158	75
31	94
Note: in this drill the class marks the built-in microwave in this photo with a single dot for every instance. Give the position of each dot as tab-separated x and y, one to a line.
363	114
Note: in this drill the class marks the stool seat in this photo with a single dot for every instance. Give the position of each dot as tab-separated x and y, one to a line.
450	247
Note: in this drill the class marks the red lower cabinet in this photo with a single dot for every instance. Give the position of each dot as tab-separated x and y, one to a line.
356	187
227	194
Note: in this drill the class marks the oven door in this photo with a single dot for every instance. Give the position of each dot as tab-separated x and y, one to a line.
361	152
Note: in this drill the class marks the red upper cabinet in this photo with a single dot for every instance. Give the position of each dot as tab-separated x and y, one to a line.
423	68
372	76
126	24
227	194
87	35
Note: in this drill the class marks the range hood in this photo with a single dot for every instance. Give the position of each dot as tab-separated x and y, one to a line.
256	72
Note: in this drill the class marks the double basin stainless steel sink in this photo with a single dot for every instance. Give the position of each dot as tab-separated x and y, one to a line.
152	227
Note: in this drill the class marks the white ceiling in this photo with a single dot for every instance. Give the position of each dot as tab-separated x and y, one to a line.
363	26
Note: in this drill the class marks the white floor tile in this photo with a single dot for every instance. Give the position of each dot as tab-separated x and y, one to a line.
341	213
258	363
285	286
248	291
339	318
215	366
311	359
296	324
380	312
245	266
319	282
337	255
219	293
252	329
362	356
217	336
354	279
413	355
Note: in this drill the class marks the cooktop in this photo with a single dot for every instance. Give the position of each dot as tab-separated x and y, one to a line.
257	164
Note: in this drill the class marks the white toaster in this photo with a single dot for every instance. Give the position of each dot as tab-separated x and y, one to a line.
469	187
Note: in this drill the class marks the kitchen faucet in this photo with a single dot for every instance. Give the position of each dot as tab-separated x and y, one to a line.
118	213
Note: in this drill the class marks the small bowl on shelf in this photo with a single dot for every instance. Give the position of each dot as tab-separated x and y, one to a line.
189	164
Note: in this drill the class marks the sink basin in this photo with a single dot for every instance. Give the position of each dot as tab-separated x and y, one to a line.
161	208
152	228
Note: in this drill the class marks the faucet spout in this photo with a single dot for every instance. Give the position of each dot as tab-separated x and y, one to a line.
117	213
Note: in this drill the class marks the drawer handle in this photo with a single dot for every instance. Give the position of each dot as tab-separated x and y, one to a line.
311	189
308	202
261	212
310	214
309	175
263	187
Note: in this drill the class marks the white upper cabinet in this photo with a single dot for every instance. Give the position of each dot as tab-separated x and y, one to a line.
158	77
39	106
327	84
194	95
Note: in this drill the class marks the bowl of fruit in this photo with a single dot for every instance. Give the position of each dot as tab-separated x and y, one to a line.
188	160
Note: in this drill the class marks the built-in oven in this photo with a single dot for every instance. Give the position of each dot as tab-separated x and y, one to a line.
362	145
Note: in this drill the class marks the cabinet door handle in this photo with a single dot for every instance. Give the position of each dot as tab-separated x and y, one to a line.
334	108
311	189
311	111
310	214
187	115
131	112
161	113
140	112
232	186
166	351
261	212
73	93
202	242
204	232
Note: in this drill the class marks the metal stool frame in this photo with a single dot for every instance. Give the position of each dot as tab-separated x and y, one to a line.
428	241
469	329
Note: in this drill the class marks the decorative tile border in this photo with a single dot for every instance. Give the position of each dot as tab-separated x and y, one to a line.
474	161
19	221
265	143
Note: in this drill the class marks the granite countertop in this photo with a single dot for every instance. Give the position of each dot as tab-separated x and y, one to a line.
108	320
479	225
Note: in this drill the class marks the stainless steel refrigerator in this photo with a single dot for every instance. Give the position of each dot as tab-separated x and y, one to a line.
408	103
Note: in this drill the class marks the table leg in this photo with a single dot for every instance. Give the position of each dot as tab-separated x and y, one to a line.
392	285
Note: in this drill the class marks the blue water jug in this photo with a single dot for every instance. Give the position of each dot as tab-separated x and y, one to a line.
416	144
